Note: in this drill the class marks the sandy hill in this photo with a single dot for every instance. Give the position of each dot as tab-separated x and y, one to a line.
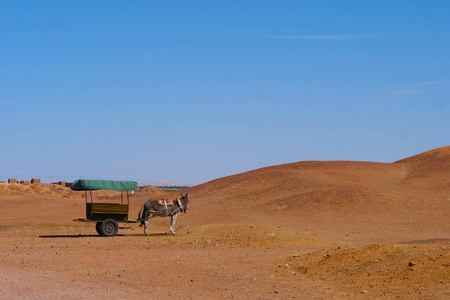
407	198
329	200
35	189
435	159
433	164
305	230
50	191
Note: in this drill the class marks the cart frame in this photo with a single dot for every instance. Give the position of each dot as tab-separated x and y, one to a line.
107	215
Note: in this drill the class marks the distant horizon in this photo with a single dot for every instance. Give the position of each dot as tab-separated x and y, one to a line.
72	179
162	182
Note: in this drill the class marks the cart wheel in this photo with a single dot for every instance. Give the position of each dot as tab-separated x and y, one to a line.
98	228
109	227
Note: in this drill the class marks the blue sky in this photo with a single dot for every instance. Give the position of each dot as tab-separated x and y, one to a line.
191	91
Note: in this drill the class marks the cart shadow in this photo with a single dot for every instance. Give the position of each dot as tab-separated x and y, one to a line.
57	236
74	236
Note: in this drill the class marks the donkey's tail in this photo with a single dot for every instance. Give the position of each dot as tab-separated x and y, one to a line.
144	213
140	212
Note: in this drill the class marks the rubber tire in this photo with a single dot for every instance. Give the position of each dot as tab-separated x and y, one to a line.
109	227
97	227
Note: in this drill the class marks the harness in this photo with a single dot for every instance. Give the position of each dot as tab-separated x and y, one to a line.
180	207
166	210
165	204
180	204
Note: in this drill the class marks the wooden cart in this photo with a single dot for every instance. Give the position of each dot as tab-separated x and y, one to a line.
107	215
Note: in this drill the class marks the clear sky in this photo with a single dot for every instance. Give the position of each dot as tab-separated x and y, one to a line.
191	91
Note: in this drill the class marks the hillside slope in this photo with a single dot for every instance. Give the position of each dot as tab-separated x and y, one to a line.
302	230
341	201
338	199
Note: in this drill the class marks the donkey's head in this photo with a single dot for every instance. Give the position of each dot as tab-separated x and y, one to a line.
185	201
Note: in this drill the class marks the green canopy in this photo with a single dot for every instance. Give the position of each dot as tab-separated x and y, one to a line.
89	185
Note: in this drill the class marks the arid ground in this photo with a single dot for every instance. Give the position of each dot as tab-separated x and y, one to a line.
306	230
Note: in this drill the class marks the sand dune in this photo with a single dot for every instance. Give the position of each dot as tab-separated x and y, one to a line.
322	229
391	197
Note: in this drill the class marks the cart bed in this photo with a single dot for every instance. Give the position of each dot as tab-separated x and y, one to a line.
102	211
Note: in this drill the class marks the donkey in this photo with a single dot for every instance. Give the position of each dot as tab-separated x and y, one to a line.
156	208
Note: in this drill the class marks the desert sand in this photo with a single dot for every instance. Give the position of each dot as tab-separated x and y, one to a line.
305	230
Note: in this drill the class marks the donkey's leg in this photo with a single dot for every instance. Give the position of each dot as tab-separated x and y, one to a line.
151	215
144	215
172	224
145	226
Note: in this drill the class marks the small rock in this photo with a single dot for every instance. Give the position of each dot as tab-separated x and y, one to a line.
411	264
364	292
